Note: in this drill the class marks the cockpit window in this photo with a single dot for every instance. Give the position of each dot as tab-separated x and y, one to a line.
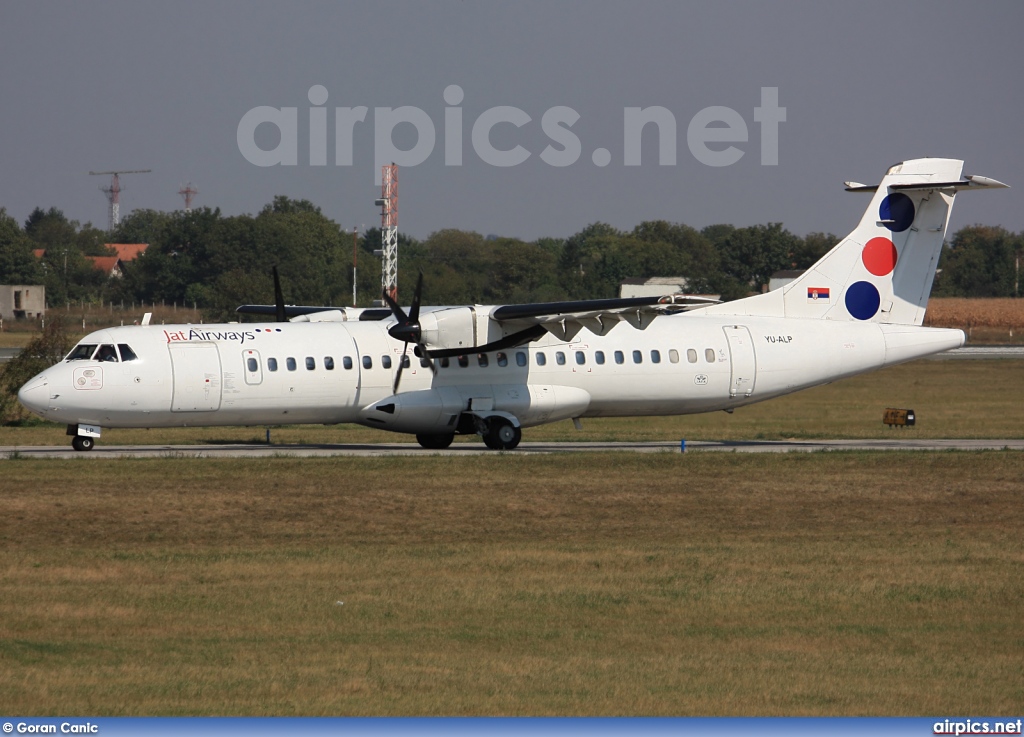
82	352
127	354
106	353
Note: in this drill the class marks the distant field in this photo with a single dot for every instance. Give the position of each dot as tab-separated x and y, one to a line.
952	399
984	320
611	584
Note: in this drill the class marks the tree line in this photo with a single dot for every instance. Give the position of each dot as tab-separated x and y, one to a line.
218	262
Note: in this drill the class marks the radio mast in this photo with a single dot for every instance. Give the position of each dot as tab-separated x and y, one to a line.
389	230
113	192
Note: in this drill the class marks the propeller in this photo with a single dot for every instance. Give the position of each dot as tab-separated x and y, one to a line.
279	298
407	330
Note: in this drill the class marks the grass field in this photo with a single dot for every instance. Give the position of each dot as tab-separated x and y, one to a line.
839	583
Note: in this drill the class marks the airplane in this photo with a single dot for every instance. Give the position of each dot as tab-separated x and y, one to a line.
494	370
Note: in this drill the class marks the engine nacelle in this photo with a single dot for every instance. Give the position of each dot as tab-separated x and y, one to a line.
461	328
436	411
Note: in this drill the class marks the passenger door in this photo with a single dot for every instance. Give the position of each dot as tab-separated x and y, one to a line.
742	361
197	377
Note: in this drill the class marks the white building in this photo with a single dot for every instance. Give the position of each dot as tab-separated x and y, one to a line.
21	301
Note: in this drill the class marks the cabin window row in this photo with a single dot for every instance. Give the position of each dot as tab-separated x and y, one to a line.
580	358
483	359
291	364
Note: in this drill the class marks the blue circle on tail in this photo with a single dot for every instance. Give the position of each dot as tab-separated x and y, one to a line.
862	300
899	209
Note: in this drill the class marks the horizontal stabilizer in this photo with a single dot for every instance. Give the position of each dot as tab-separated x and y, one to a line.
968	182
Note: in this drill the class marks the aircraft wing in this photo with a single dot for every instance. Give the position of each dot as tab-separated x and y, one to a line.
449	331
566	319
306	311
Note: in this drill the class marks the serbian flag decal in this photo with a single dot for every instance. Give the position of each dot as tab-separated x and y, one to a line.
817	294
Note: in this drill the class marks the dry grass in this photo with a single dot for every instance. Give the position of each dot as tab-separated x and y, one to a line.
984	320
612	584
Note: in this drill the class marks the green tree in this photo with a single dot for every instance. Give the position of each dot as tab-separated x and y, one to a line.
52	344
809	249
751	255
979	262
17	264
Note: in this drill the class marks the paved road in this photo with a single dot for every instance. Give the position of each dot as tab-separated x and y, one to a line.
467	449
976	352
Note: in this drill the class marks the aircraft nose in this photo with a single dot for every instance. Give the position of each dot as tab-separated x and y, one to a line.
35	395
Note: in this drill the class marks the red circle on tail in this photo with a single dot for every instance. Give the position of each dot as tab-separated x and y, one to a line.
879	256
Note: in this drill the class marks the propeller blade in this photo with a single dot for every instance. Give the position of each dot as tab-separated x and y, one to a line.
401	365
279	298
414	311
407	327
421	351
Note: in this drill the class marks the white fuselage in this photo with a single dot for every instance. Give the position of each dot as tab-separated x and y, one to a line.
280	373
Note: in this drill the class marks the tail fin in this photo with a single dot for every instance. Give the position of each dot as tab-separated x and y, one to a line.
883	271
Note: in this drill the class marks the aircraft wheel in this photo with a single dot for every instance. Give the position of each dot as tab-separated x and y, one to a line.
80	442
502	434
436	442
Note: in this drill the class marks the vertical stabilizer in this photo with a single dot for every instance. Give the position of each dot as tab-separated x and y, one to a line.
883	271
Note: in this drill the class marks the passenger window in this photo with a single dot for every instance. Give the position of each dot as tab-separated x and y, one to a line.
127	354
290	363
252	365
599	357
106	353
619	358
481	358
520	358
638	357
673	355
424	363
82	352
541	359
347	363
691	355
445	363
709	355
463	361
655	356
272	364
405	360
581	357
310	363
559	358
385	361
503	359
367	362
329	363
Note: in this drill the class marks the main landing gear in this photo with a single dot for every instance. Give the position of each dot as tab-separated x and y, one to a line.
436	442
500	434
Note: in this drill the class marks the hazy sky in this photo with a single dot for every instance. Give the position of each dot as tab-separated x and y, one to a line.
164	86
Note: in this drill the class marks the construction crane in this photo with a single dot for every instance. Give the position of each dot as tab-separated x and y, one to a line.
388	203
113	192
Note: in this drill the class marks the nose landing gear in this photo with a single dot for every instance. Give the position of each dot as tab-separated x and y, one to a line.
83	437
81	442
